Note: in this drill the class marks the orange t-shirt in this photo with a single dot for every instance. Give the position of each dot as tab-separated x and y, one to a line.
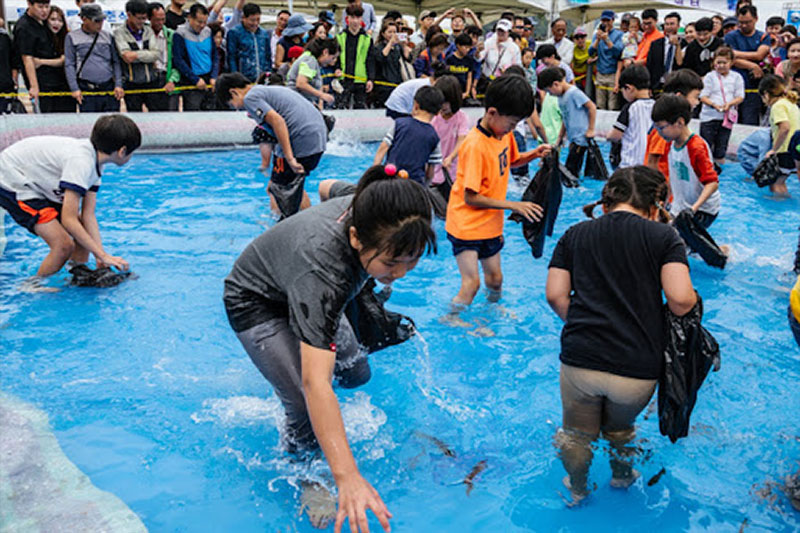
483	165
657	145
644	46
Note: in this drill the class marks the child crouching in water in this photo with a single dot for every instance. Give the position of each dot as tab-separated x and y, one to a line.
784	122
478	198
578	115
287	309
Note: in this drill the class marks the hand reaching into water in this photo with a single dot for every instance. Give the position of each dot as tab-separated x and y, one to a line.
356	495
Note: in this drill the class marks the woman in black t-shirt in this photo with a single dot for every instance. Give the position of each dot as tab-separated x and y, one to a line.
605	281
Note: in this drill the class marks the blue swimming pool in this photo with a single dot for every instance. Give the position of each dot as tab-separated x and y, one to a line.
152	396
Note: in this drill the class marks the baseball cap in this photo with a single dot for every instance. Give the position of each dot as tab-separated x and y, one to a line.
730	21
427	13
327	16
579	31
295	51
607	15
92	12
503	25
626	17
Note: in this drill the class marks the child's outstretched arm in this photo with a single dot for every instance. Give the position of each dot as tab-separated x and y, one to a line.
381	153
531	211
356	495
72	220
592	109
526	157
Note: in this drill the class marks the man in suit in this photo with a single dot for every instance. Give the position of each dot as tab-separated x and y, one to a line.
665	52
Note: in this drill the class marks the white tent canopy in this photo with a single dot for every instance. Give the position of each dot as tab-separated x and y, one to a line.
580	13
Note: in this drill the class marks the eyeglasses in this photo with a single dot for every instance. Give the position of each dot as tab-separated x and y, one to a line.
519	27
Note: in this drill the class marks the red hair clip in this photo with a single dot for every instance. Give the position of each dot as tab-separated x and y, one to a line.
390	169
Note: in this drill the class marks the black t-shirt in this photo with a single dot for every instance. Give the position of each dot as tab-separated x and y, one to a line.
698	58
302	268
8	61
460	68
174	20
35	39
615	318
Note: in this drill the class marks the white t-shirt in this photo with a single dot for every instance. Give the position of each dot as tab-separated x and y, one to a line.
43	166
690	169
712	89
497	57
401	100
635	123
565	48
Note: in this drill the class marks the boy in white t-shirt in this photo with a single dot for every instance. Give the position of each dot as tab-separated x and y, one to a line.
633	123
49	186
693	180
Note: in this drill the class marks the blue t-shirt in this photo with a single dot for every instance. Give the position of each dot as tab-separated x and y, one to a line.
575	115
739	42
412	145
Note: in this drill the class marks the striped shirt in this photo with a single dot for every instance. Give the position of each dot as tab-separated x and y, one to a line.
635	123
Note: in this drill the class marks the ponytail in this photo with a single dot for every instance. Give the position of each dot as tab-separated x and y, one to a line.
392	214
640	186
775	87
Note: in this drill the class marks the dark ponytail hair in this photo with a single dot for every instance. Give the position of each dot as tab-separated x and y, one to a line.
317	46
391	214
640	186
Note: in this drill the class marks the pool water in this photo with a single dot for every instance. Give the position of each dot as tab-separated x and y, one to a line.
152	396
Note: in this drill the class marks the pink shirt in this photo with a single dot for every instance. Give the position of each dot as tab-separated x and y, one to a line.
449	131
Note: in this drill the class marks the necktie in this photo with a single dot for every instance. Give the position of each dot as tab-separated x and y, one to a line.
670	55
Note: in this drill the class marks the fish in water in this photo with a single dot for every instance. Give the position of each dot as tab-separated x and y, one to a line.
657	477
444	448
477	469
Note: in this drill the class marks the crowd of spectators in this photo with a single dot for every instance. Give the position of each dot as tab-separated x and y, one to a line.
160	48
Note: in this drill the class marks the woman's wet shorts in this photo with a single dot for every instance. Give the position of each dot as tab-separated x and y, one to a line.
485	247
31	212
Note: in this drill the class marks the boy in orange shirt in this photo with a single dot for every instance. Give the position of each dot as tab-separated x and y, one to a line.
688	84
478	197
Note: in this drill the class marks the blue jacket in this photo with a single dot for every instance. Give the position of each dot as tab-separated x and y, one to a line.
193	54
249	53
607	58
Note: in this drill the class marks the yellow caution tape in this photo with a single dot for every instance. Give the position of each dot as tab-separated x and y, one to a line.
107	93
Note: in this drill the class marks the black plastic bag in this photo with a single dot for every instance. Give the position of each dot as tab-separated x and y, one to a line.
374	326
615	155
595	164
567	178
440	195
690	353
545	190
83	276
767	171
698	239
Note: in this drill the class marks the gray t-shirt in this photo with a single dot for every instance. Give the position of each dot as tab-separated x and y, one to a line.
308	66
302	268
306	126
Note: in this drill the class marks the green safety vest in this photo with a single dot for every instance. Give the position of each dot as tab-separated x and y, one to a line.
362	51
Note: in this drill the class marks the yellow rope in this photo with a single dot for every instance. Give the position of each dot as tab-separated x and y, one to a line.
105	93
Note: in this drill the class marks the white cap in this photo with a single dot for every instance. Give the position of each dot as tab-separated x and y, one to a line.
503	25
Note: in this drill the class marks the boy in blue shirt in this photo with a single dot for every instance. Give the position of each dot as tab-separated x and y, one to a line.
412	144
578	115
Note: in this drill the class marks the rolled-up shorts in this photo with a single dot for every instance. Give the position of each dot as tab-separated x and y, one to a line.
275	350
30	212
486	248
